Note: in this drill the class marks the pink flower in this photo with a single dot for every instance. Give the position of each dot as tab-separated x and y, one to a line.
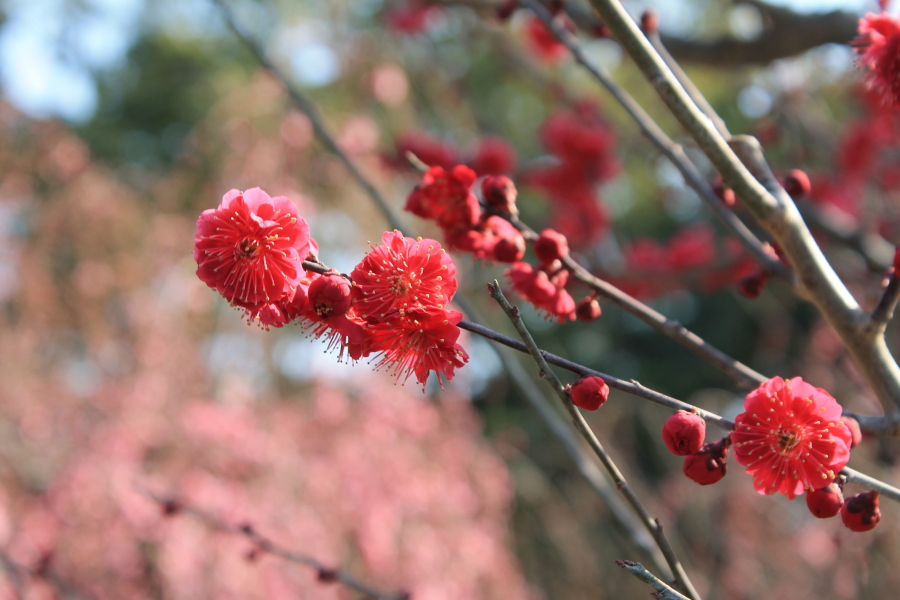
419	340
251	248
790	437
403	273
878	45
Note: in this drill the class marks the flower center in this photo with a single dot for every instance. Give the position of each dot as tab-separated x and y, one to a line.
787	440
324	310
400	285
248	247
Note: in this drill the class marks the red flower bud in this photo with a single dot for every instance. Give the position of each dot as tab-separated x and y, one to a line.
752	286
509	250
861	512
855	432
708	465
499	192
683	433
506	10
897	259
599	30
826	502
550	245
649	21
725	193
588	309
330	295
589	392
796	183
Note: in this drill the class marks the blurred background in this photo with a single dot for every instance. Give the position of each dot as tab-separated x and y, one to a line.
121	372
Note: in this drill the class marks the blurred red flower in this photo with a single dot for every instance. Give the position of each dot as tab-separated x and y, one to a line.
878	45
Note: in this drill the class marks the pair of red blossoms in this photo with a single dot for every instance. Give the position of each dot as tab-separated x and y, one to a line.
251	250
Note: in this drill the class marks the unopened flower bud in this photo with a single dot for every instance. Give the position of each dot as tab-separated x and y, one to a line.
551	245
499	192
796	183
707	466
684	433
506	10
649	21
726	194
861	512
588	309
855	432
509	250
826	502
599	30
330	295
589	392
752	286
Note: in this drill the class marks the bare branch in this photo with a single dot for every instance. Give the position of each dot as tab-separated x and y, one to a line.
785	33
652	525
309	109
261	543
884	311
638	570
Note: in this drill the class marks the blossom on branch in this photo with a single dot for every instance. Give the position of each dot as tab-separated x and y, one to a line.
402	273
790	437
250	249
419	340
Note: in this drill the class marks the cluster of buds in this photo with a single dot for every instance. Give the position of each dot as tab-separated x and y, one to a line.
791	439
484	228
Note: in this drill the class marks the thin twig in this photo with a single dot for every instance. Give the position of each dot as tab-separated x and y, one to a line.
884	311
664	592
743	375
620	513
44	571
309	109
672	151
326	574
652	525
629	387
